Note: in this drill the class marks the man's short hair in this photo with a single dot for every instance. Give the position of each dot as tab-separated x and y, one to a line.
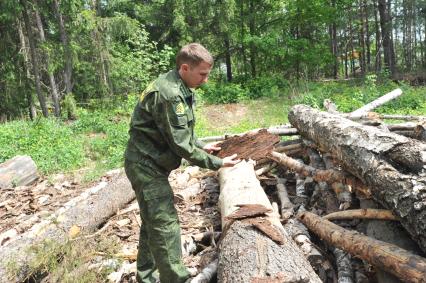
193	54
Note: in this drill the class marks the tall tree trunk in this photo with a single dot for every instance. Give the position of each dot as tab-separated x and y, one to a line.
386	29
228	58
346	57
362	56
333	43
367	32
378	55
103	66
242	35
31	107
36	69
352	51
53	86
67	49
252	28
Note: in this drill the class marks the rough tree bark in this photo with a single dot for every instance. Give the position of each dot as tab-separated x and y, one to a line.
53	86
34	60
245	254
84	214
403	264
67	48
385	162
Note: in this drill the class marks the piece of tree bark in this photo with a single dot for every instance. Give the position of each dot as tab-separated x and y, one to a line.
18	171
244	252
420	131
382	160
405	265
376	103
85	215
282	130
378	214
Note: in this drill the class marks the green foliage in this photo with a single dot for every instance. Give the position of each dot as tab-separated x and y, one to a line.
267	86
69	107
349	96
222	93
52	145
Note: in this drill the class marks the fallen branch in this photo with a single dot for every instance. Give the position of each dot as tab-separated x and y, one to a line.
403	264
370	213
329	176
286	206
376	103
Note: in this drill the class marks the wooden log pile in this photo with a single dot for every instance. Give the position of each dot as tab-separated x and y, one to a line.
340	170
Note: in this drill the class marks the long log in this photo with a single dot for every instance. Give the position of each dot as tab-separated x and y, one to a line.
245	253
378	214
18	171
373	115
386	162
376	103
401	263
90	210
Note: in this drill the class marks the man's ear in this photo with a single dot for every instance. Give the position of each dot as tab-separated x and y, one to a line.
184	67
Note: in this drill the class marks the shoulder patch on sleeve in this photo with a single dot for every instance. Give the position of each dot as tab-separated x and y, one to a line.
150	88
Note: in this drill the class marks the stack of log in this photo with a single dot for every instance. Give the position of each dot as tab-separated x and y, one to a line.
367	176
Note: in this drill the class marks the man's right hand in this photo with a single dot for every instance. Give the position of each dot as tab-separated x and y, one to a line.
230	161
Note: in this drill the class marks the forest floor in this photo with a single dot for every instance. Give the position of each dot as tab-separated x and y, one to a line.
23	207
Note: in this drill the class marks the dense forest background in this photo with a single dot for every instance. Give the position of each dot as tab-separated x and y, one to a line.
56	52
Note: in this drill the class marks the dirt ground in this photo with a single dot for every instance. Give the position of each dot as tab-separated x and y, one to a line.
224	116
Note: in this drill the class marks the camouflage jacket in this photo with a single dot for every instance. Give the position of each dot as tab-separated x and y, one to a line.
162	127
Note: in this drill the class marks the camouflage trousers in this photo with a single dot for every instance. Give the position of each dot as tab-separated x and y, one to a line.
159	238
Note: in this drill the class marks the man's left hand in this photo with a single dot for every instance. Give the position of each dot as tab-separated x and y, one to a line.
211	147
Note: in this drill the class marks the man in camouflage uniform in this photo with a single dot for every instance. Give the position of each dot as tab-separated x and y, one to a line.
161	134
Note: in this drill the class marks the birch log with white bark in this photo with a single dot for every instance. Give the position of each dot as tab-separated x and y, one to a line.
376	103
386	162
245	253
85	214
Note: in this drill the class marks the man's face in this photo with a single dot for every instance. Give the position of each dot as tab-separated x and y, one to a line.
195	76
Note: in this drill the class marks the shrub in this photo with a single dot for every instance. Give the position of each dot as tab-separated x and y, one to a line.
216	93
